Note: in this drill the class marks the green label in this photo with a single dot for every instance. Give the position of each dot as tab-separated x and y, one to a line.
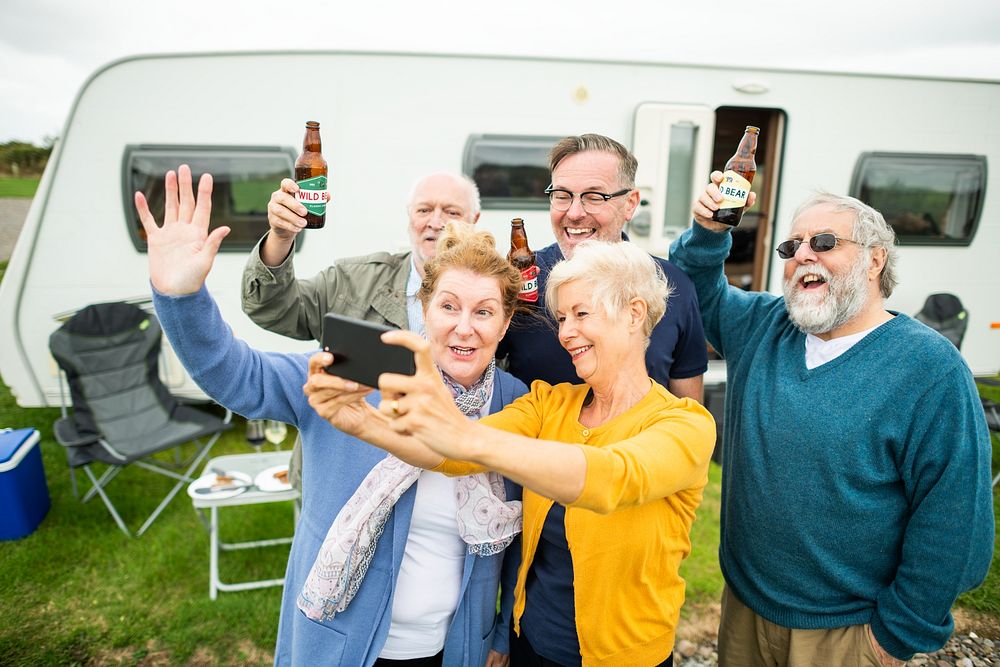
313	194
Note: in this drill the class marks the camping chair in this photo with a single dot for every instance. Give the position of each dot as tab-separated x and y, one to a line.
945	314
122	412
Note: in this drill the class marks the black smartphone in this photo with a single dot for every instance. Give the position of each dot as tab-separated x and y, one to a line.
359	353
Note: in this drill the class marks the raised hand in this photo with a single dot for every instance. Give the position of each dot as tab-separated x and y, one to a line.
420	405
181	252
341	402
708	203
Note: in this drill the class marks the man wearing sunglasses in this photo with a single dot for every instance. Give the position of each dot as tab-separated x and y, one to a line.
591	197
856	499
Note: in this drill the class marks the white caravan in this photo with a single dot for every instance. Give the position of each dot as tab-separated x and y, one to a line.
917	148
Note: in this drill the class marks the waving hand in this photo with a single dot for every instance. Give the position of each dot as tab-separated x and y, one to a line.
181	252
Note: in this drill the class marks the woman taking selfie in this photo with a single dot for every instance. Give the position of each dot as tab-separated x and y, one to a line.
612	469
408	573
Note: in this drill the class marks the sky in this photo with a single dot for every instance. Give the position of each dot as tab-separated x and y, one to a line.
49	48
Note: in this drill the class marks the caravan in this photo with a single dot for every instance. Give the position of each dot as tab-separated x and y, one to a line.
916	148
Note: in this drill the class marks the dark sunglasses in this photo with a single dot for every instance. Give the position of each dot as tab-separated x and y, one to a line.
820	243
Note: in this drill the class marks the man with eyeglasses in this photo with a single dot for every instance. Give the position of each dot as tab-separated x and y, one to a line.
856	498
591	197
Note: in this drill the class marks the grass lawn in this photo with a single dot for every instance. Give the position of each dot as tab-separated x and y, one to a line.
78	591
18	187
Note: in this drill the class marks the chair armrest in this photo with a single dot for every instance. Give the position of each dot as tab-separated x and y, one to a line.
67	436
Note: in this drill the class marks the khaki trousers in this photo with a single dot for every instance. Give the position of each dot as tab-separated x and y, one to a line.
747	640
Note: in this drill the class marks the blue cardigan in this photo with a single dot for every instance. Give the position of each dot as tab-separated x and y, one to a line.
268	385
854	492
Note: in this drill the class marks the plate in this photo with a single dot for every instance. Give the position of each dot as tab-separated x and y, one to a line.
266	481
210	479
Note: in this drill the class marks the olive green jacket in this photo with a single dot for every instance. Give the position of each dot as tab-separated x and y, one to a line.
372	288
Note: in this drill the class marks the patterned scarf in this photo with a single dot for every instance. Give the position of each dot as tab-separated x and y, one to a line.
487	523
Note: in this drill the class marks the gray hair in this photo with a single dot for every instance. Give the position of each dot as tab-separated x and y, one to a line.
627	164
870	231
616	273
461	179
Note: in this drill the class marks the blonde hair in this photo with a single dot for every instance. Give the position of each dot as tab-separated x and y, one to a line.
462	247
616	273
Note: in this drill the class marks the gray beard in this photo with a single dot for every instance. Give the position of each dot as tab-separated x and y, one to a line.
845	299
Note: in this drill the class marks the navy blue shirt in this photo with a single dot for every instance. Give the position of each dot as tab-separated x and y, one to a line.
549	618
676	349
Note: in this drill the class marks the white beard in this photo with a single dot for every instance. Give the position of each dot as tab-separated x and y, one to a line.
845	297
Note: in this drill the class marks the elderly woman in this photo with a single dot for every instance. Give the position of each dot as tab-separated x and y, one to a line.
408	573
612	469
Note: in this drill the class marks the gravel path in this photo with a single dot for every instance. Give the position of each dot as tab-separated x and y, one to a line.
12	214
961	651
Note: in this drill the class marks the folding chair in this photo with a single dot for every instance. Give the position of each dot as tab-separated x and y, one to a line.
945	314
122	412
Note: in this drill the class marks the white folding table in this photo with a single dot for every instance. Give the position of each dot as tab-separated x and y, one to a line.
251	465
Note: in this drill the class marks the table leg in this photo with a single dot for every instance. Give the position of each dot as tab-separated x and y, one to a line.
213	554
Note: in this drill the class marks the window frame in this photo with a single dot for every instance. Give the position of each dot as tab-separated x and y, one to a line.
865	160
539	203
187	153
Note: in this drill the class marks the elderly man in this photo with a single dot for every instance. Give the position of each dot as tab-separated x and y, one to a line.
856	501
381	287
592	196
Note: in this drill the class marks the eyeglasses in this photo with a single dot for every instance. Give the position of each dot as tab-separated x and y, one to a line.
591	201
820	243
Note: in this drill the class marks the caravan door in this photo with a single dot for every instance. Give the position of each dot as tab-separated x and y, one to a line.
677	146
673	143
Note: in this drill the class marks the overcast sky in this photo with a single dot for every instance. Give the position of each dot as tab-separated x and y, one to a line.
48	48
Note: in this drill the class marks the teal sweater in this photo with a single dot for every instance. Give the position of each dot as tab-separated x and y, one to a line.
856	492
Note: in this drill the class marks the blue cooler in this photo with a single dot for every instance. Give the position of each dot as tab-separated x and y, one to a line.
24	495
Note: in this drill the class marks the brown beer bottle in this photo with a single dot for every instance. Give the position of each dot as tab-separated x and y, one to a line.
736	179
311	175
523	259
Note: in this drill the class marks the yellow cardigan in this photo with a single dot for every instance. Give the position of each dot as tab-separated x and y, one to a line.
629	530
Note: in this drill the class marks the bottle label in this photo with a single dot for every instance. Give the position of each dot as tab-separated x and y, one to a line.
529	285
313	194
735	189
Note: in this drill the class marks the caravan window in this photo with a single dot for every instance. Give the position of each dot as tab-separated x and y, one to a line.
244	179
512	172
928	199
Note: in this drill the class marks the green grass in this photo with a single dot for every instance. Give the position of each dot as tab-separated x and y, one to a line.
18	187
701	568
78	591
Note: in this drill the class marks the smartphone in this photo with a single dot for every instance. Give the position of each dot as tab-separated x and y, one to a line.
359	353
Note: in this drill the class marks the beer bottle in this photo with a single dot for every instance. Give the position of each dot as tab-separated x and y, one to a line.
523	259
736	179
311	175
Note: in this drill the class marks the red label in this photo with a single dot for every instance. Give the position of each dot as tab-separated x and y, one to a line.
529	285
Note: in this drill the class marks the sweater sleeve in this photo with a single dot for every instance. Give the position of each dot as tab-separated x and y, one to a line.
727	312
275	300
670	453
257	385
948	540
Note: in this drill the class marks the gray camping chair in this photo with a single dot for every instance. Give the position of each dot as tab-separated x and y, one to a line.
122	413
945	314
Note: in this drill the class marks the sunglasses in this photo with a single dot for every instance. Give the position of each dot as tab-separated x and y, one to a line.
820	243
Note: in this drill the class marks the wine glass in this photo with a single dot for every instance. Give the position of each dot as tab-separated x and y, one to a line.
255	433
275	432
